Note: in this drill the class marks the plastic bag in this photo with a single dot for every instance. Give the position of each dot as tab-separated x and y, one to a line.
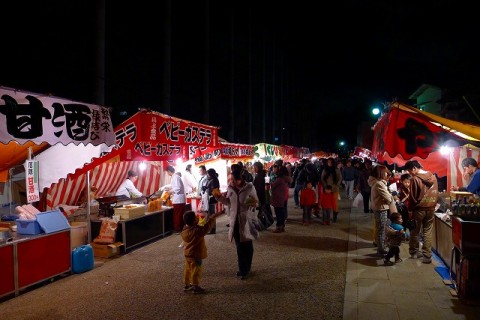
254	224
204	203
358	201
107	233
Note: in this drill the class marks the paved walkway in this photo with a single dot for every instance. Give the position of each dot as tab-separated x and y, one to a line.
408	290
314	272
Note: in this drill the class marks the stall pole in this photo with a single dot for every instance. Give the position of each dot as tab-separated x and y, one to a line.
89	227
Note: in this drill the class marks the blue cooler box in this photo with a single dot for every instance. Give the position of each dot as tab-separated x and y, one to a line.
52	221
28	226
82	259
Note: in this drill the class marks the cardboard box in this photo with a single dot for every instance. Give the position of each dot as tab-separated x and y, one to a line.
106	250
129	213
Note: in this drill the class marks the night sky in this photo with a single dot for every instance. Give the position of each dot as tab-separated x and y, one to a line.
304	73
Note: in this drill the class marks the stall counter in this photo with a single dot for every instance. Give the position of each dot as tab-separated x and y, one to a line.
31	259
136	231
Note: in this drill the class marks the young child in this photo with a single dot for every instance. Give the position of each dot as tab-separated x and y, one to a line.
195	250
402	201
326	202
394	234
308	198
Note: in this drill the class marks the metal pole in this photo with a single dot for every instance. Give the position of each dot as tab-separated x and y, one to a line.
468	104
88	208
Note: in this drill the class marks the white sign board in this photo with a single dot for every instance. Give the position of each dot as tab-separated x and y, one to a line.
31	181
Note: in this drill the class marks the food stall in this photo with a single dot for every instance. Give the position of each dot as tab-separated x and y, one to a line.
144	143
32	123
406	133
220	159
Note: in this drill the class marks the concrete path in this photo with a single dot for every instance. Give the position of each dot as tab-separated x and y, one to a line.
407	290
308	272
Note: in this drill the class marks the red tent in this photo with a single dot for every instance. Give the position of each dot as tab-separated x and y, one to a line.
404	133
147	137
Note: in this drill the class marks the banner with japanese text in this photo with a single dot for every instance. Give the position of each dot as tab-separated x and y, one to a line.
267	151
204	154
363	153
224	151
399	132
408	133
154	136
31	181
39	118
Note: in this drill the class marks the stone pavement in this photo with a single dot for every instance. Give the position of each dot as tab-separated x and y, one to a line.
407	290
308	272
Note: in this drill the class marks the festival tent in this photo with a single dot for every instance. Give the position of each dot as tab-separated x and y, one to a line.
32	123
323	155
147	139
404	133
222	157
292	154
362	153
270	152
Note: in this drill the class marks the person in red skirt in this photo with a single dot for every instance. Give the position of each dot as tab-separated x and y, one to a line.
307	201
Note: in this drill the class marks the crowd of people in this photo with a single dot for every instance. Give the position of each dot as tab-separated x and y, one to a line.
403	213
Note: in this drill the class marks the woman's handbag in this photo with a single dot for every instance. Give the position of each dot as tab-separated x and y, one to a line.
265	216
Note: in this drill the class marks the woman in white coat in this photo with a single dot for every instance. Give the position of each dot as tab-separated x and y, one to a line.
241	197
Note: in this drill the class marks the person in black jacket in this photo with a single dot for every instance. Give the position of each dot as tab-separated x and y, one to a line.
264	210
212	184
246	175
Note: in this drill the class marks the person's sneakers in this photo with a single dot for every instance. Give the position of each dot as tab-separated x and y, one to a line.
426	260
398	260
188	287
416	255
387	262
241	276
296	206
198	289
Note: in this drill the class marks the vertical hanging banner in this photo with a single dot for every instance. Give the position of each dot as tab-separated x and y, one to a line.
31	181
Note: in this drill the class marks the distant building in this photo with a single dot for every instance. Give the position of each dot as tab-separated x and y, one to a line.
453	103
428	98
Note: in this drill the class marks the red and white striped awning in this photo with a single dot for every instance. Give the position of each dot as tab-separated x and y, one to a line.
107	177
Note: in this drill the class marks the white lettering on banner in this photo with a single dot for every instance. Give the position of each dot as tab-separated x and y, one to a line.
31	181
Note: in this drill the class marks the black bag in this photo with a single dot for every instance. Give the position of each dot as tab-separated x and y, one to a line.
265	216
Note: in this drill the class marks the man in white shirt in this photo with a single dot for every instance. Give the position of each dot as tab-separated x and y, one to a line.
179	198
189	181
127	188
203	180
